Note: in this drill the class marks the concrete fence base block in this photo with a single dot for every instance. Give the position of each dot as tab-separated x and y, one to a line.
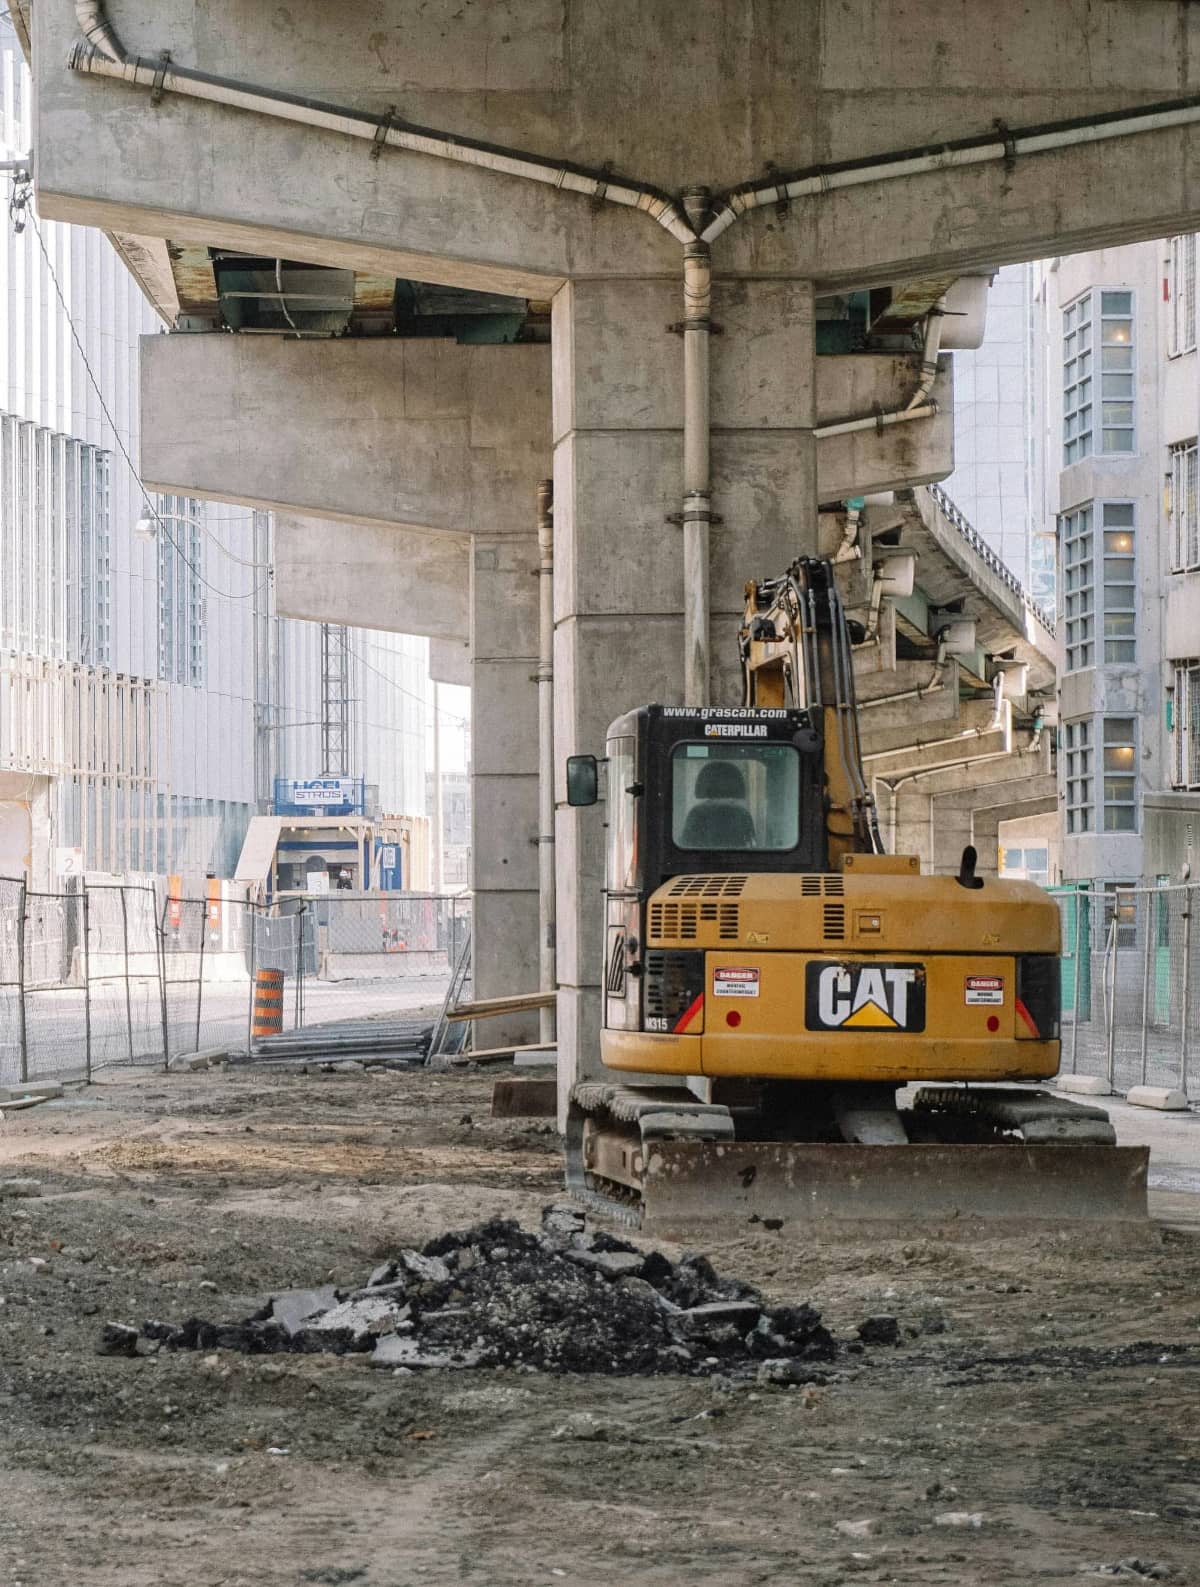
45	1091
201	1059
1161	1097
1084	1085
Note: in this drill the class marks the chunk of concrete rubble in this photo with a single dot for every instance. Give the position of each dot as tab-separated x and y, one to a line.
786	1373
867	1527
701	1320
358	1317
612	1264
428	1269
117	1340
17	1189
383	1274
881	1330
560	1217
964	1518
397	1350
295	1307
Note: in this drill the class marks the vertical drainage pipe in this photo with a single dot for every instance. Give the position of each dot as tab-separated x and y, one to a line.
547	955
697	482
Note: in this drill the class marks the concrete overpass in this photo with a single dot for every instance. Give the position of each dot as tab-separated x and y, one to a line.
812	182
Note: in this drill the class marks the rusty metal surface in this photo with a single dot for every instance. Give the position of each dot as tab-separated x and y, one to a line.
691	1184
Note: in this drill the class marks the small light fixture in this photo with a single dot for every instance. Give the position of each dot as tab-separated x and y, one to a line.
145	528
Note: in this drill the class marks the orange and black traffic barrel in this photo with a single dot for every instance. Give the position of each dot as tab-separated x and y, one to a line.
268	1003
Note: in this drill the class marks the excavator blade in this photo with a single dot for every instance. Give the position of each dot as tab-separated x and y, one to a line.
689	1186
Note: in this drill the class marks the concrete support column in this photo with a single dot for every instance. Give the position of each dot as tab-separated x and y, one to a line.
618	476
504	776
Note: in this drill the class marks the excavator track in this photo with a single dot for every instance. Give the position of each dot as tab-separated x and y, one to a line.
658	1159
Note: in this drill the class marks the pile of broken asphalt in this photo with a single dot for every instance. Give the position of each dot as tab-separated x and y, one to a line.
565	1300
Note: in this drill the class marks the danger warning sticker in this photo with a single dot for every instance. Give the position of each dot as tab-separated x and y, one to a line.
985	989
735	983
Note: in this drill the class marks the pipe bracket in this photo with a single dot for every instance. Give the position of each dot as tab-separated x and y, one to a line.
698	515
386	123
677	327
160	77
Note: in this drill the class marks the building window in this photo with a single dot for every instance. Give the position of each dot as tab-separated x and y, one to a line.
1077	380
1181	287
1078	745
1116	376
1185	723
1120	586
1185	523
180	591
1120	774
1079	587
55	576
1116	370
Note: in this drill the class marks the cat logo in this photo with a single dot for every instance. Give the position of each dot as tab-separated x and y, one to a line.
864	997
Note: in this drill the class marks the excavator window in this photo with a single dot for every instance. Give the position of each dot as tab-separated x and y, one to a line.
735	796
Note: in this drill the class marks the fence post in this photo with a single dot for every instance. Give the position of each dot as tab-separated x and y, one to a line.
24	1033
253	968
125	960
1110	997
1075	989
300	964
1187	967
160	954
200	985
87	987
1146	915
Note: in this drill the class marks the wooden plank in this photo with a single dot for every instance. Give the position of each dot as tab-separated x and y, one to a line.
503	1005
494	1055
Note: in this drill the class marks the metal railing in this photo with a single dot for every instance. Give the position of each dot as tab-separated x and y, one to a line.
1131	985
981	548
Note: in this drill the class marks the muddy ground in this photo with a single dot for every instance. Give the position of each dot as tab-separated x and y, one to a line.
1051	1431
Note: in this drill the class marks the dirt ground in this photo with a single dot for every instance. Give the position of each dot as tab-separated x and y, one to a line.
1052	1429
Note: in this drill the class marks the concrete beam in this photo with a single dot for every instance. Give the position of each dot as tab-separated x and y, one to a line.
901	751
835	81
401	580
880	459
450	661
416	434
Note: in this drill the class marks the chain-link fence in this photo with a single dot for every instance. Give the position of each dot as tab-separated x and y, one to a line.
125	973
357	935
1131	985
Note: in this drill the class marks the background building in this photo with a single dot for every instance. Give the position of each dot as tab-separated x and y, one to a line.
149	692
1120	407
999	459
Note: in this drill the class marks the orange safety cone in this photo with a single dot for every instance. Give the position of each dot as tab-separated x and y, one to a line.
268	1003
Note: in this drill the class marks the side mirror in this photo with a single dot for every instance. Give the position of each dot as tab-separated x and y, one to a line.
583	780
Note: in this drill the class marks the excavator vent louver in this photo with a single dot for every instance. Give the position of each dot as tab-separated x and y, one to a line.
673	920
708	887
821	886
728	927
835	922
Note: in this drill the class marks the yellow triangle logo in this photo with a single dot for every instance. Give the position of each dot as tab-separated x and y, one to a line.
870	1015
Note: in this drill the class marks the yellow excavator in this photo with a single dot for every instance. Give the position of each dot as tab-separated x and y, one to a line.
773	982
